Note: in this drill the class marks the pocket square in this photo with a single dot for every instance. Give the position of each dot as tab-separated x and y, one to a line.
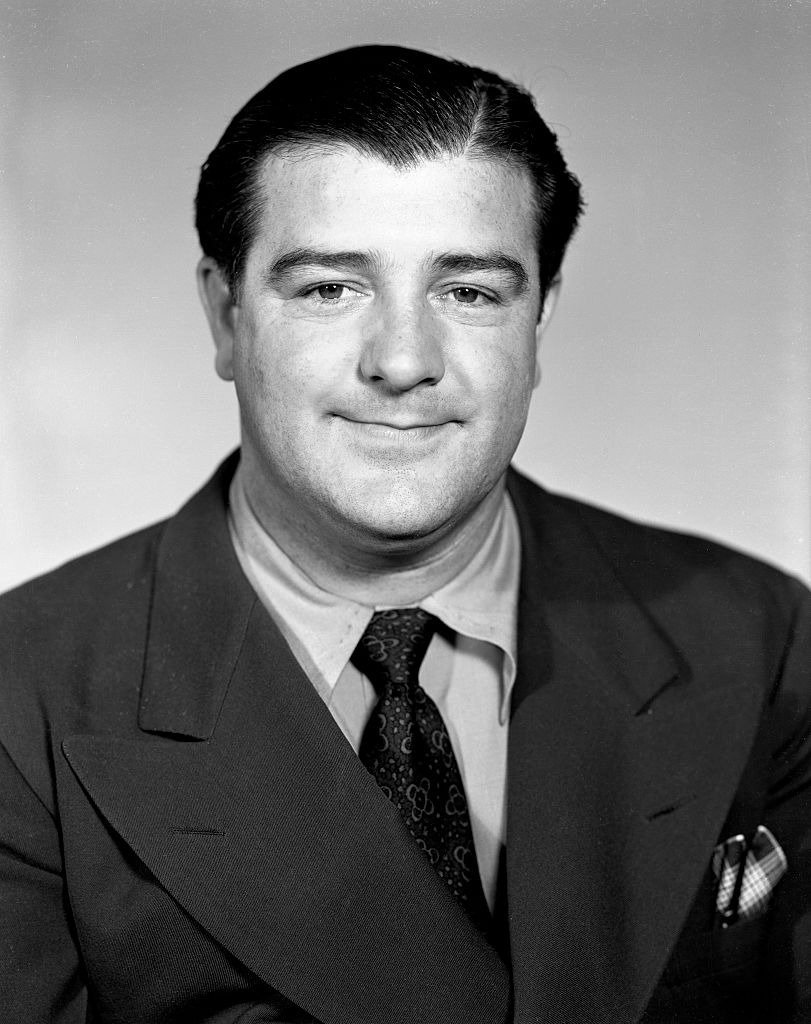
747	872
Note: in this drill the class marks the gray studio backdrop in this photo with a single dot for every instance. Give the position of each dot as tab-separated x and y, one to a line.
676	373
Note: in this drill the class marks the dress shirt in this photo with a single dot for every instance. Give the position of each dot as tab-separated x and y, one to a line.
468	674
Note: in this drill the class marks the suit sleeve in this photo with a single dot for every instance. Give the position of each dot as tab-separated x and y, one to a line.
788	814
40	975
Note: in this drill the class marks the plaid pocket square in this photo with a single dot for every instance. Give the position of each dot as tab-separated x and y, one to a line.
747	871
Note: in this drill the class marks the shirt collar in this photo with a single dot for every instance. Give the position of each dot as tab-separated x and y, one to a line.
323	629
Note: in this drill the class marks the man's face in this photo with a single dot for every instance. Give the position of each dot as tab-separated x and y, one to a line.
384	345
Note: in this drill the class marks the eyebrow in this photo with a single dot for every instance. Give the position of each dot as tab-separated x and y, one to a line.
466	263
369	262
361	262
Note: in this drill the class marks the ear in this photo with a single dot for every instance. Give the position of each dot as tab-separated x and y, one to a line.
548	308
222	314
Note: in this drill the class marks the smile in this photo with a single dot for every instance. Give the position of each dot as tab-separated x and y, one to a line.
397	432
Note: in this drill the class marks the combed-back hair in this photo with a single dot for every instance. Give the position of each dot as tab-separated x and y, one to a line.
398	105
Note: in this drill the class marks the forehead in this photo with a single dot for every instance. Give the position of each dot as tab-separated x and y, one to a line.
342	198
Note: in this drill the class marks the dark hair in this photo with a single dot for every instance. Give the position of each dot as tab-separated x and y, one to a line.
399	105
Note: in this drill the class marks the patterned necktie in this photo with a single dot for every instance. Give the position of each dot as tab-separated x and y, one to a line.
408	750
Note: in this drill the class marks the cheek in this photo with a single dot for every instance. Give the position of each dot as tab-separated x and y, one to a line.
262	380
506	378
273	374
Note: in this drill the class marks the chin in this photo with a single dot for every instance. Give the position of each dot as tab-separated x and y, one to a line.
400	525
401	515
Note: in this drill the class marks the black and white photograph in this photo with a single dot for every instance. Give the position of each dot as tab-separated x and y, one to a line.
406	512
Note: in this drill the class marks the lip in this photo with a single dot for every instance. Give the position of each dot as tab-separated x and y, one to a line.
386	425
388	430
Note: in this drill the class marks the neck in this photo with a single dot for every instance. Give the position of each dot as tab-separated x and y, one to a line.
374	571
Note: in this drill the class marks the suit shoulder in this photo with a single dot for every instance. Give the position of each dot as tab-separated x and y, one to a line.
649	557
86	584
643	546
53	625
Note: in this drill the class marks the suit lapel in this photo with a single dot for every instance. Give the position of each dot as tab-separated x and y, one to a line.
267	830
620	775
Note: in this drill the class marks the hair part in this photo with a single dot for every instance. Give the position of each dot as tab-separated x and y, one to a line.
398	105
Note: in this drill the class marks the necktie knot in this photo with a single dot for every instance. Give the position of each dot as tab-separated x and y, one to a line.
393	645
406	746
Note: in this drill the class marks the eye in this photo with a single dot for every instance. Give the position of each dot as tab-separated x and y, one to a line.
330	296
330	292
467	296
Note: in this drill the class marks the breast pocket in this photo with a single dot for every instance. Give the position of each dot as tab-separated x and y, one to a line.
720	951
713	977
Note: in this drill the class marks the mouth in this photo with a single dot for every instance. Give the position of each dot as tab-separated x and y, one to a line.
399	431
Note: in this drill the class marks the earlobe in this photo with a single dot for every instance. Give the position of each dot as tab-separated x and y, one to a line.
221	312
549	303
548	307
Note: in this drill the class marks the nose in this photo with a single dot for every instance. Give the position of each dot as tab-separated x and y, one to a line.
403	349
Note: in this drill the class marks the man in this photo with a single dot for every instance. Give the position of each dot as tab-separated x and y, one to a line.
374	729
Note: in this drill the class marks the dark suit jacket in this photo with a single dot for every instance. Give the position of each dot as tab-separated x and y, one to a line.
185	835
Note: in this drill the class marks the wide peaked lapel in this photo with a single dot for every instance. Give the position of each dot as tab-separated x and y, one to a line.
621	768
249	807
